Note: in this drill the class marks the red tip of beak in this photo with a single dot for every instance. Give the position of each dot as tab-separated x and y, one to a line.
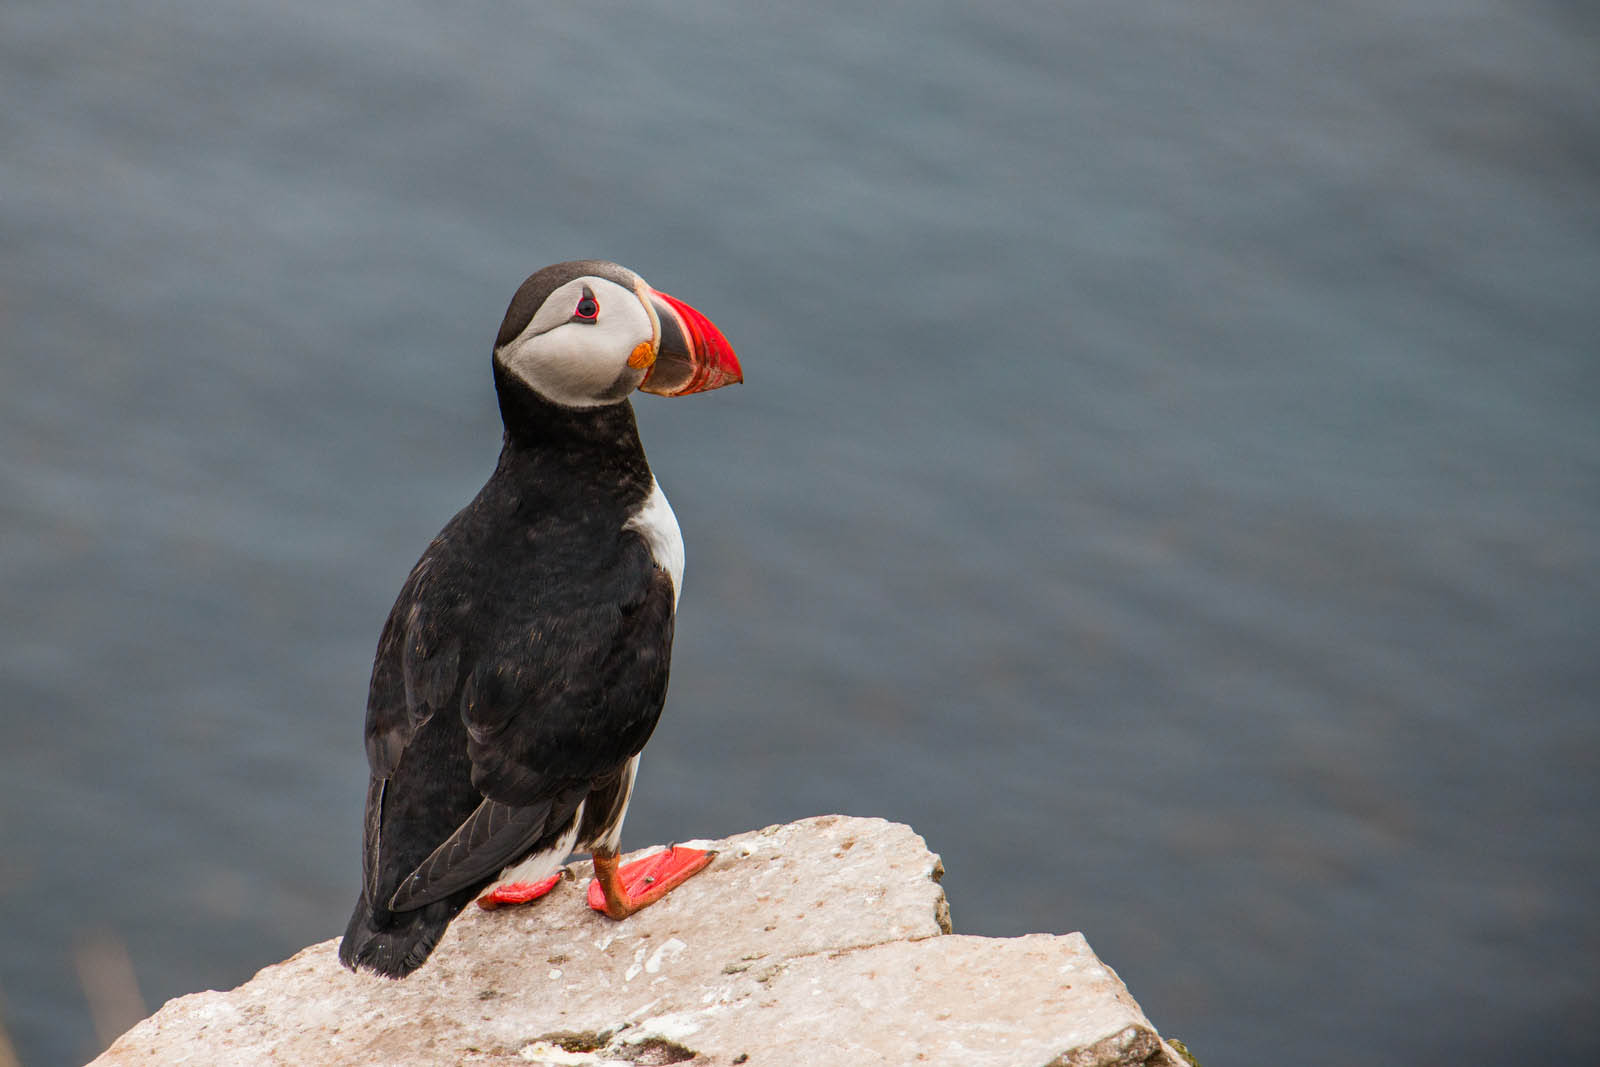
694	355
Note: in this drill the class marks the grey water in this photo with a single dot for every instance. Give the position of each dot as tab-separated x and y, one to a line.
1168	475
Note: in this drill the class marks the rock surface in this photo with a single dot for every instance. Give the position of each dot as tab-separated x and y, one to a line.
825	941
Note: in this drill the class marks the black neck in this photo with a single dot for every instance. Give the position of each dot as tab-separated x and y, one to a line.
599	444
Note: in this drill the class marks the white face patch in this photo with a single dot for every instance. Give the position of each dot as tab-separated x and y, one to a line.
567	358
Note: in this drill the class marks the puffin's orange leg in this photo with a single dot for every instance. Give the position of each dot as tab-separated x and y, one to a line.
621	892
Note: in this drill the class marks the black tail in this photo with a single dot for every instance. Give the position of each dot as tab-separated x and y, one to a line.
394	944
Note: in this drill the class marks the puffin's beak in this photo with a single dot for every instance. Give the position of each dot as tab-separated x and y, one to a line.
693	357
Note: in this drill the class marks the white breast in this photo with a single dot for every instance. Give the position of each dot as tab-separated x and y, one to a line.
656	523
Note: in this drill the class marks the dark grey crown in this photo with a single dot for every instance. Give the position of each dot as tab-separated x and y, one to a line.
532	294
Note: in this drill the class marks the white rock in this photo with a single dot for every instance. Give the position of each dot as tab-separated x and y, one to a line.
821	942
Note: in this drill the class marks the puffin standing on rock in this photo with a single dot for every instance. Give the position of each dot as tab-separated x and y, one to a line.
524	664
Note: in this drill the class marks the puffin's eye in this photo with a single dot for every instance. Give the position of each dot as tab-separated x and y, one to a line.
588	307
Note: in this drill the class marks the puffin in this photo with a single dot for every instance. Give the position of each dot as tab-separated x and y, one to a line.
524	664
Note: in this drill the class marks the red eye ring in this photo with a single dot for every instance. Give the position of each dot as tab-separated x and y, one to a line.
588	307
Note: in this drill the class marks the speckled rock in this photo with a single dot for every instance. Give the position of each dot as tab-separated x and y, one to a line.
825	941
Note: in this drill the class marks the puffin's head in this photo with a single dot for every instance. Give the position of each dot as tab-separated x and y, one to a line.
588	333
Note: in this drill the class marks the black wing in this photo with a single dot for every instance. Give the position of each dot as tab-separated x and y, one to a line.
416	673
417	669
493	836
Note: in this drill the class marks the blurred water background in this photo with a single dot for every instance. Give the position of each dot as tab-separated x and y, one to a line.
1168	478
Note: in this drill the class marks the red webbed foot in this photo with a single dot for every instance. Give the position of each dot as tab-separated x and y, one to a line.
508	893
621	892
